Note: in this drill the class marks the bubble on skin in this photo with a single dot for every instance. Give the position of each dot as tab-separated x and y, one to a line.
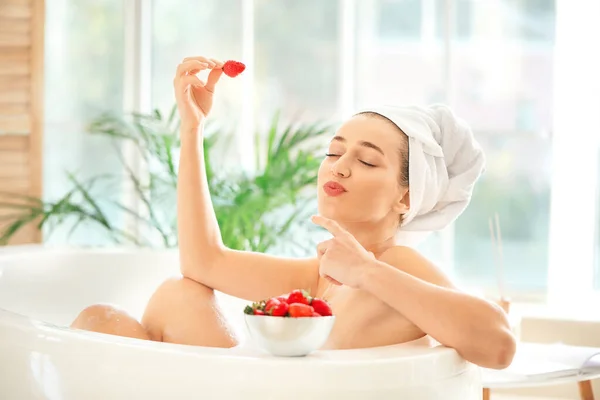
101	314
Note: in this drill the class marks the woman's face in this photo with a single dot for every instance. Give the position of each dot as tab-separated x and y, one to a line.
358	179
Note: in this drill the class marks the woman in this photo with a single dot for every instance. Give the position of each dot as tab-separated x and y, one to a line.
381	293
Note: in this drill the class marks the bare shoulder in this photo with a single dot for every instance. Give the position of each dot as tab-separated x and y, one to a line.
414	263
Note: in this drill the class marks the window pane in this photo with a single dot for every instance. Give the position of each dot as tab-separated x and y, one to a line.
83	77
401	68
597	251
184	28
399	19
463	19
503	87
516	185
531	20
297	58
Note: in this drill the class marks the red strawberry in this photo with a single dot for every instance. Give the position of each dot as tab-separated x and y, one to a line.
321	307
280	310
259	312
282	298
300	310
256	306
233	68
316	314
272	302
298	296
276	308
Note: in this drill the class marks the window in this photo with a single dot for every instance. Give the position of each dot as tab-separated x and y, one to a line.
187	28
184	28
524	21
531	20
296	59
84	76
398	19
392	72
504	89
516	186
462	16
597	241
313	59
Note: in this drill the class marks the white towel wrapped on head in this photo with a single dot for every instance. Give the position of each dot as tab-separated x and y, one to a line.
445	161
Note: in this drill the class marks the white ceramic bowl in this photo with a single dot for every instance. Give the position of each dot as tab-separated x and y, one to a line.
290	337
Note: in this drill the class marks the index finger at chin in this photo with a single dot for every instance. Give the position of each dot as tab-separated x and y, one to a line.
332	226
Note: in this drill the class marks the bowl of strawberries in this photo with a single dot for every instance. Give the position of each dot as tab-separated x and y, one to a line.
290	325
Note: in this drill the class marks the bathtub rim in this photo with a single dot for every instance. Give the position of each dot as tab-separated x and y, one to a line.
350	358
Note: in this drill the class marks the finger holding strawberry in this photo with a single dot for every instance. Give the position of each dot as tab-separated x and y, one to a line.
193	95
342	259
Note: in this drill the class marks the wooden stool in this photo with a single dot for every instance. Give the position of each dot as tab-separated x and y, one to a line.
585	390
486	394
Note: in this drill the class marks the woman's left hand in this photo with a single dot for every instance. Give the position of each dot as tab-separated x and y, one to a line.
342	258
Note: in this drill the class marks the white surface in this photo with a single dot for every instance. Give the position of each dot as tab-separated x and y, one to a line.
537	364
46	360
289	337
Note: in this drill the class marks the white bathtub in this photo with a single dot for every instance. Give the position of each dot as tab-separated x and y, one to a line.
42	290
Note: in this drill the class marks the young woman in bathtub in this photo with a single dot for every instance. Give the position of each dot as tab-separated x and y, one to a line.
381	293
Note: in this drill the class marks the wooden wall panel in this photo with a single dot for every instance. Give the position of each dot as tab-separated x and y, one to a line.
21	106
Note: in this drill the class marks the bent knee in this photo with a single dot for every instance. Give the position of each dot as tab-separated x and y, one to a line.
94	315
105	318
184	311
178	291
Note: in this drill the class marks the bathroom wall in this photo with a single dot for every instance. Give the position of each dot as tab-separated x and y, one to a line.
21	85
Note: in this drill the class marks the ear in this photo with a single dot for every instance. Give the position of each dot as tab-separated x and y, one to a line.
402	205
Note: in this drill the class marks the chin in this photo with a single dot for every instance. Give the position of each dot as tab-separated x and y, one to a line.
326	210
334	212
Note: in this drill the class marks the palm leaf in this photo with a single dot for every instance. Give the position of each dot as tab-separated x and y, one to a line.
16	226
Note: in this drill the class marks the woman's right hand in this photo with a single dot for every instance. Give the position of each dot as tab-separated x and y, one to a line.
194	96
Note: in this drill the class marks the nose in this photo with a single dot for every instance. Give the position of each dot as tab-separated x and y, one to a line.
339	169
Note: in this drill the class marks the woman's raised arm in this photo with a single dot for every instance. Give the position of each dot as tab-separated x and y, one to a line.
203	256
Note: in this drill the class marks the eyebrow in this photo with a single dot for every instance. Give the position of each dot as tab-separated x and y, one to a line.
362	143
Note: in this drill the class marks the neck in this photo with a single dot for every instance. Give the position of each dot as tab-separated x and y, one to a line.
374	237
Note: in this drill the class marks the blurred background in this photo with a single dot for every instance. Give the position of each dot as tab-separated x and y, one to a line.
511	68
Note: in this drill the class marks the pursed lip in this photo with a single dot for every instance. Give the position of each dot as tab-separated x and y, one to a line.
331	185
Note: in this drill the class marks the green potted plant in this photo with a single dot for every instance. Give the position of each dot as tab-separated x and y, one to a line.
256	211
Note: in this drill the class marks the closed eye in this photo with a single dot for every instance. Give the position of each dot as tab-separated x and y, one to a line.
337	155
